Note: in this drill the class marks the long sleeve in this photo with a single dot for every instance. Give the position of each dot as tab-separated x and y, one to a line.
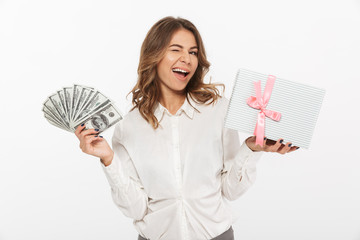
126	188
239	171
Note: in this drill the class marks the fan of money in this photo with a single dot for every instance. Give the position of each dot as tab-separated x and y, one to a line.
72	106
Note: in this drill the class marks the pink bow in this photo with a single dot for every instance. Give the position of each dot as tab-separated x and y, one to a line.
259	102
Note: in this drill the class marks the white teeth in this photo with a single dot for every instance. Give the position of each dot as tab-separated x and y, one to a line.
179	70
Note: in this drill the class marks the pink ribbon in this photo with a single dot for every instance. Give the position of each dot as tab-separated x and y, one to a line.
260	102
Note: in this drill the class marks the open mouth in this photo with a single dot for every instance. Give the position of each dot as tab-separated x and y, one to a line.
180	72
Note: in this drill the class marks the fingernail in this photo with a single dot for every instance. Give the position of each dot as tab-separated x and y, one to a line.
96	135
82	124
289	144
281	141
101	136
97	130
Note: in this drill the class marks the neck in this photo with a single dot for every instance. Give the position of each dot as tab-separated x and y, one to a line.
172	101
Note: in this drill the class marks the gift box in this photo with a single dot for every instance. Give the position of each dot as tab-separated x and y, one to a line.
268	106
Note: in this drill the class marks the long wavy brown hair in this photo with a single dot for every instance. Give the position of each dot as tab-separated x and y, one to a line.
146	93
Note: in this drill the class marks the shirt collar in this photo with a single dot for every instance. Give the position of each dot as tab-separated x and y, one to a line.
188	107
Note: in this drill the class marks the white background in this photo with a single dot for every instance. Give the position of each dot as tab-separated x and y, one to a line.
49	189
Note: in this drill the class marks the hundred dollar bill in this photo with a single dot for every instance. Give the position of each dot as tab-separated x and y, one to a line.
51	115
54	104
54	118
86	97
50	108
55	123
68	99
83	95
97	102
86	113
103	118
62	99
75	96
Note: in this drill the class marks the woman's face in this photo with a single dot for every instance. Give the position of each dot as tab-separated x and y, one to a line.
179	63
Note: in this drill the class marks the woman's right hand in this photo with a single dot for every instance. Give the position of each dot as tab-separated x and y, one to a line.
94	145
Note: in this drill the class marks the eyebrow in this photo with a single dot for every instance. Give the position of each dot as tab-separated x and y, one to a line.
178	45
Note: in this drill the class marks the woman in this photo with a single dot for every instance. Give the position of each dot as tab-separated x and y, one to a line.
173	162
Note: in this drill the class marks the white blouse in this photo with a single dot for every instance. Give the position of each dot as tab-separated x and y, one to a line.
173	181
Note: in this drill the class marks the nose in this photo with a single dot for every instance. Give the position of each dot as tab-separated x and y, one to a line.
185	57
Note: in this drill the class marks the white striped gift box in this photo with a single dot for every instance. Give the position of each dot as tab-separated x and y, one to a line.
299	105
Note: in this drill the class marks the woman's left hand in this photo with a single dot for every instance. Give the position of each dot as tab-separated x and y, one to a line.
271	146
